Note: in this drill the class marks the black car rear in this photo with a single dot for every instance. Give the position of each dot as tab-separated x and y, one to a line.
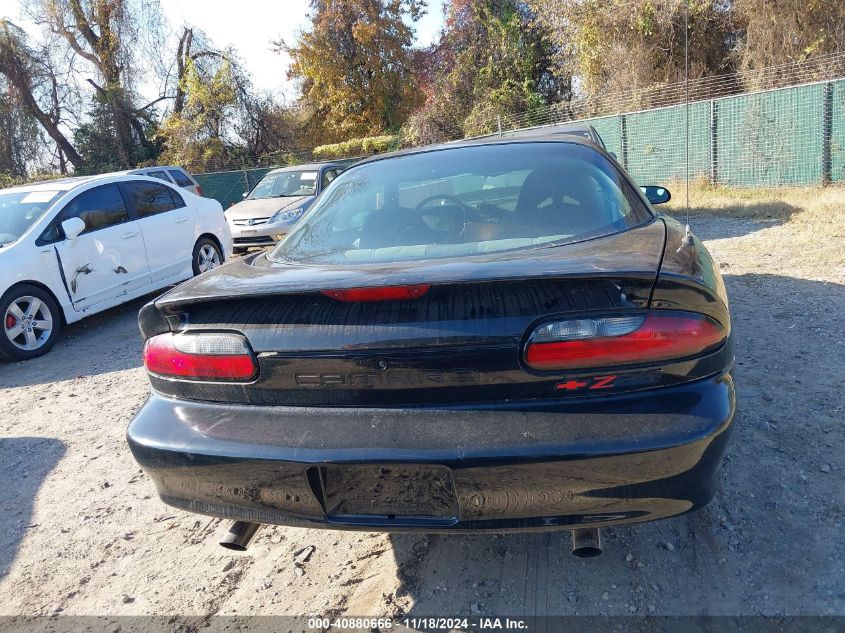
446	342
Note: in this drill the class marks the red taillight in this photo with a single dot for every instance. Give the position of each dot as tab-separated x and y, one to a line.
626	340
201	356
199	191
387	293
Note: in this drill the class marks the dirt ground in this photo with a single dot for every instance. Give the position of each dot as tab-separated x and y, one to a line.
83	532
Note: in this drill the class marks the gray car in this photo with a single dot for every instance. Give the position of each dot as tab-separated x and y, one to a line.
276	203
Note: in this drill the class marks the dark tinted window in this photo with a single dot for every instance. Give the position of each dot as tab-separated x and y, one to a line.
150	198
180	178
158	174
328	176
99	208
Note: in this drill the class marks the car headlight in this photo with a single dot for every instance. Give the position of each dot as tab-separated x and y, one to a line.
286	215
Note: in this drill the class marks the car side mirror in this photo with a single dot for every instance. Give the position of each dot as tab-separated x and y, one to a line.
244	194
656	194
73	227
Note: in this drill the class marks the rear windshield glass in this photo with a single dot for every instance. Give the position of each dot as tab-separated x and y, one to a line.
465	201
180	178
158	174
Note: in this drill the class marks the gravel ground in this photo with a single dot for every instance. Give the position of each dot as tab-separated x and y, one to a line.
82	531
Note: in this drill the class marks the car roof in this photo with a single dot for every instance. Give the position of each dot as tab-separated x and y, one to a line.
68	184
148	168
580	130
307	166
579	134
57	184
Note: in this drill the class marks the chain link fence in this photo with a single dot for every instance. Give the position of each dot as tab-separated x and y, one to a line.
228	187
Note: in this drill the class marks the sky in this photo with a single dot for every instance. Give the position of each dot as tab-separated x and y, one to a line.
250	26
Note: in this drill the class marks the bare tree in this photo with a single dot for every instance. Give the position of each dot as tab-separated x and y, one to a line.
20	137
18	64
104	33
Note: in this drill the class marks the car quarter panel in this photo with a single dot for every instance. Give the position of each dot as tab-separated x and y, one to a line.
209	219
689	279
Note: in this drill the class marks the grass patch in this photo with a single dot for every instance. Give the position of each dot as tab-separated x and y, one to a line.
782	203
795	231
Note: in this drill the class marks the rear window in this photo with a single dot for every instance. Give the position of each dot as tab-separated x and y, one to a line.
180	178
158	174
465	201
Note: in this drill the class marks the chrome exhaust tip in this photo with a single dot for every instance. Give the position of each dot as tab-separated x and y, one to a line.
586	542
240	535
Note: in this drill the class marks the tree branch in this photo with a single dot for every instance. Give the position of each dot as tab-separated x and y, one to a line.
83	25
74	44
153	102
98	88
209	54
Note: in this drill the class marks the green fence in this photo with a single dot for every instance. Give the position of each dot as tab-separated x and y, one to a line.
228	187
789	136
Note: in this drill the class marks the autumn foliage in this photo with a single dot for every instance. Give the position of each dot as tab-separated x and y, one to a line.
355	67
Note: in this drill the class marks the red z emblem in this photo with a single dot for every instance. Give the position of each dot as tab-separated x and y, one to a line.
599	382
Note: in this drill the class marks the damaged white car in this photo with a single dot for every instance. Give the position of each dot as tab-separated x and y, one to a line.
73	247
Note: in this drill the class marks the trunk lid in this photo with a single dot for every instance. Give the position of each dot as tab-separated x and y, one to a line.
635	253
460	342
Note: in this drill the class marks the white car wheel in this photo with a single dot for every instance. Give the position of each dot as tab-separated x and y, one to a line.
31	322
207	256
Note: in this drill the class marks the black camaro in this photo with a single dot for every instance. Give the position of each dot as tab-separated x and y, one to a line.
497	334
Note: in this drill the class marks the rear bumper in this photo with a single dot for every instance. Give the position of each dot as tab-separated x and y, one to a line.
596	462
